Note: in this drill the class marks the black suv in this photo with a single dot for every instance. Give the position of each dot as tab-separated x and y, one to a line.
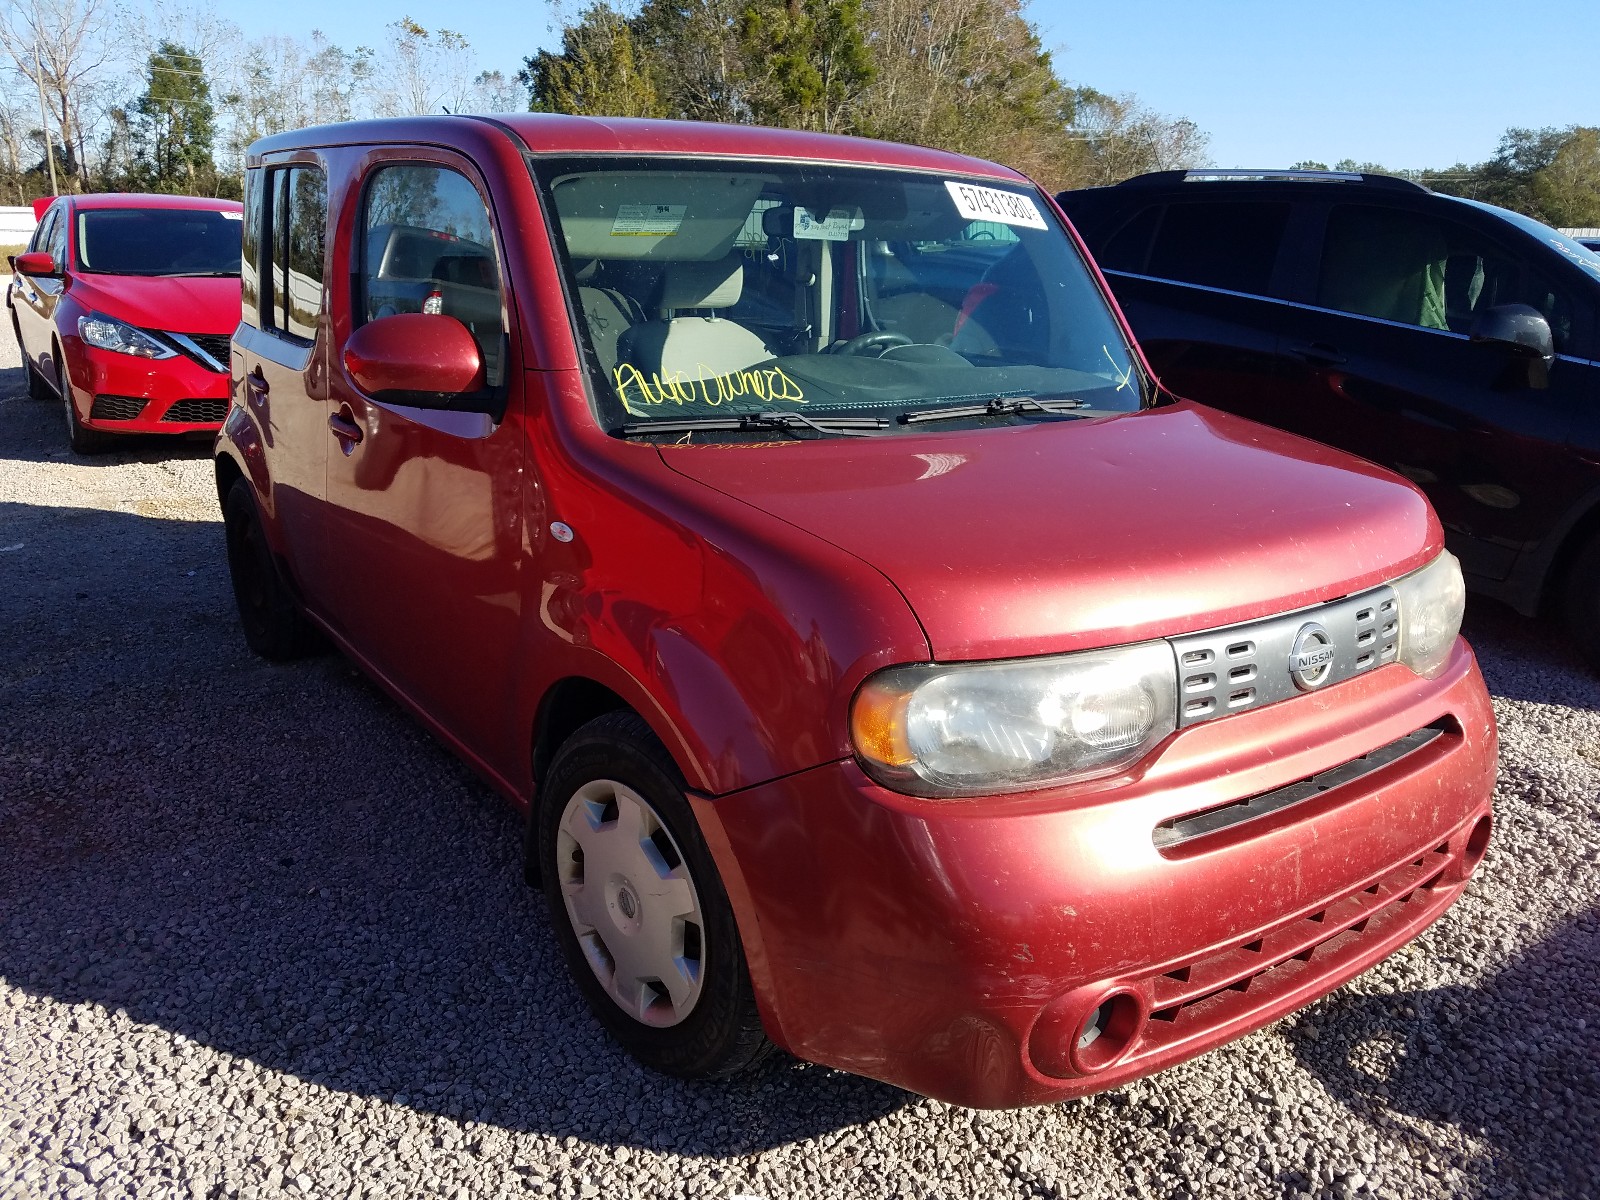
1449	340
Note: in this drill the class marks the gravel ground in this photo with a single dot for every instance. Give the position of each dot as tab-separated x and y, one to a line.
261	936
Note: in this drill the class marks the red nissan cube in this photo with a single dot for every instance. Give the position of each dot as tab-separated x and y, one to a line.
123	306
891	670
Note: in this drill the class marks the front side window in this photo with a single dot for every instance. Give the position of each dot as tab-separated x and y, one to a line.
297	237
41	234
428	246
870	295
190	242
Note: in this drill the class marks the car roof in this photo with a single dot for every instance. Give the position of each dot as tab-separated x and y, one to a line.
153	200
555	133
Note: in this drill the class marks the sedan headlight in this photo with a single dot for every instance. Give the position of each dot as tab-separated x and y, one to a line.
108	333
1431	602
982	728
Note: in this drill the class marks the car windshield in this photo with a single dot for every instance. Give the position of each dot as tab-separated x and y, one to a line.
159	241
842	298
1574	250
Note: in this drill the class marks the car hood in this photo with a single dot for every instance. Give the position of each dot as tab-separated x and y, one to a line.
197	305
1062	535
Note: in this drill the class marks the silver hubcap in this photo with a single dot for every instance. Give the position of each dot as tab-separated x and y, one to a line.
631	902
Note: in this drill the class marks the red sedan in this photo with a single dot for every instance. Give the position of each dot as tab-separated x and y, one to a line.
123	307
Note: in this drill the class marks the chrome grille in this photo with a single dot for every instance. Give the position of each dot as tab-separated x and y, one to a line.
1222	671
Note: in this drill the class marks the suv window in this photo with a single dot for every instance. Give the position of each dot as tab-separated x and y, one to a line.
427	246
1418	270
1129	247
1228	246
296	232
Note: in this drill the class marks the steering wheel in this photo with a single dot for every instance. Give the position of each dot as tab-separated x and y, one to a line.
880	340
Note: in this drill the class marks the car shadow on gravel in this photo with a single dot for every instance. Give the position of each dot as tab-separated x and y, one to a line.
1513	1060
1527	659
279	864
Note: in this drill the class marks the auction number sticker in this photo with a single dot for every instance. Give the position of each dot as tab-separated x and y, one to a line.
834	226
991	204
648	220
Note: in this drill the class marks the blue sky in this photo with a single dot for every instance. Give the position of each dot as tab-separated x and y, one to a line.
1408	83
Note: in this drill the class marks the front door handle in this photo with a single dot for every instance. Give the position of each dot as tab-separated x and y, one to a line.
346	430
1318	354
256	386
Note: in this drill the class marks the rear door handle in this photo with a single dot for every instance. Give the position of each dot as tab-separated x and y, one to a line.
346	430
1318	354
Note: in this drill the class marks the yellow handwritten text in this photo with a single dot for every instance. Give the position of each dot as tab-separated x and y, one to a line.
770	385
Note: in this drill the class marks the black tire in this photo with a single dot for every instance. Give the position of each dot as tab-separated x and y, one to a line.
1580	603
273	624
721	1033
81	438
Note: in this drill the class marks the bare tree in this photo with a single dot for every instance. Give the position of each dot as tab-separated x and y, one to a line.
421	71
64	46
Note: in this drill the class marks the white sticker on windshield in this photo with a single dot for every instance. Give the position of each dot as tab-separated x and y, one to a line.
648	220
991	204
835	227
230	215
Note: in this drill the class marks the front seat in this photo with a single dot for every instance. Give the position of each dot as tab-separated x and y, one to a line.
687	340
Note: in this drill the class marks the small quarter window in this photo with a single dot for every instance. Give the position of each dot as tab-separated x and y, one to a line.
428	247
297	232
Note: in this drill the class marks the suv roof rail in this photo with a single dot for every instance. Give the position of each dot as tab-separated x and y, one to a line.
1273	175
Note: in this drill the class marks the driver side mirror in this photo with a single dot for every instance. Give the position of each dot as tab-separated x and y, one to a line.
1523	330
35	262
425	360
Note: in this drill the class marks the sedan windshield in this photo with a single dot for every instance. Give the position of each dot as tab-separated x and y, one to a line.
716	289
159	241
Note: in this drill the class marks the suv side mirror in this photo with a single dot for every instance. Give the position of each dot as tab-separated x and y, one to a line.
1522	329
422	359
35	262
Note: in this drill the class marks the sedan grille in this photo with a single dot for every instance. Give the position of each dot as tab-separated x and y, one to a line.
192	411
116	408
218	345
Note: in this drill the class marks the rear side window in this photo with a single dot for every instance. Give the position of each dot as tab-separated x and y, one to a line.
1229	246
249	269
427	246
297	232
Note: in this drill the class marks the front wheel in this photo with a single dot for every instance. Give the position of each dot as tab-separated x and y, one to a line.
1581	603
273	625
638	907
80	437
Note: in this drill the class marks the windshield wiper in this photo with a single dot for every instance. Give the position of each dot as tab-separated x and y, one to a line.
856	426
198	274
1000	406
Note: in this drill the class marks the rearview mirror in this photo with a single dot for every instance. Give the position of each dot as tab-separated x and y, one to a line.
1523	330
35	262
425	360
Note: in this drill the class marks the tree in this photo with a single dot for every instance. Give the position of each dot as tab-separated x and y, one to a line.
176	122
598	71
1566	190
61	47
420	71
808	62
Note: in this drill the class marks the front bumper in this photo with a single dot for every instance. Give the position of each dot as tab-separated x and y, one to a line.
121	393
958	949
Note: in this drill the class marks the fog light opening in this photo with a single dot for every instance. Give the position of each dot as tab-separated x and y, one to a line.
1109	1032
1477	845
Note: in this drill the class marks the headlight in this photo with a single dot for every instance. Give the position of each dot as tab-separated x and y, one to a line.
1431	601
107	333
981	728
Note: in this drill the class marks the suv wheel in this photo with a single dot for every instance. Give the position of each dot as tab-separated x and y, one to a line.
638	907
1580	602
